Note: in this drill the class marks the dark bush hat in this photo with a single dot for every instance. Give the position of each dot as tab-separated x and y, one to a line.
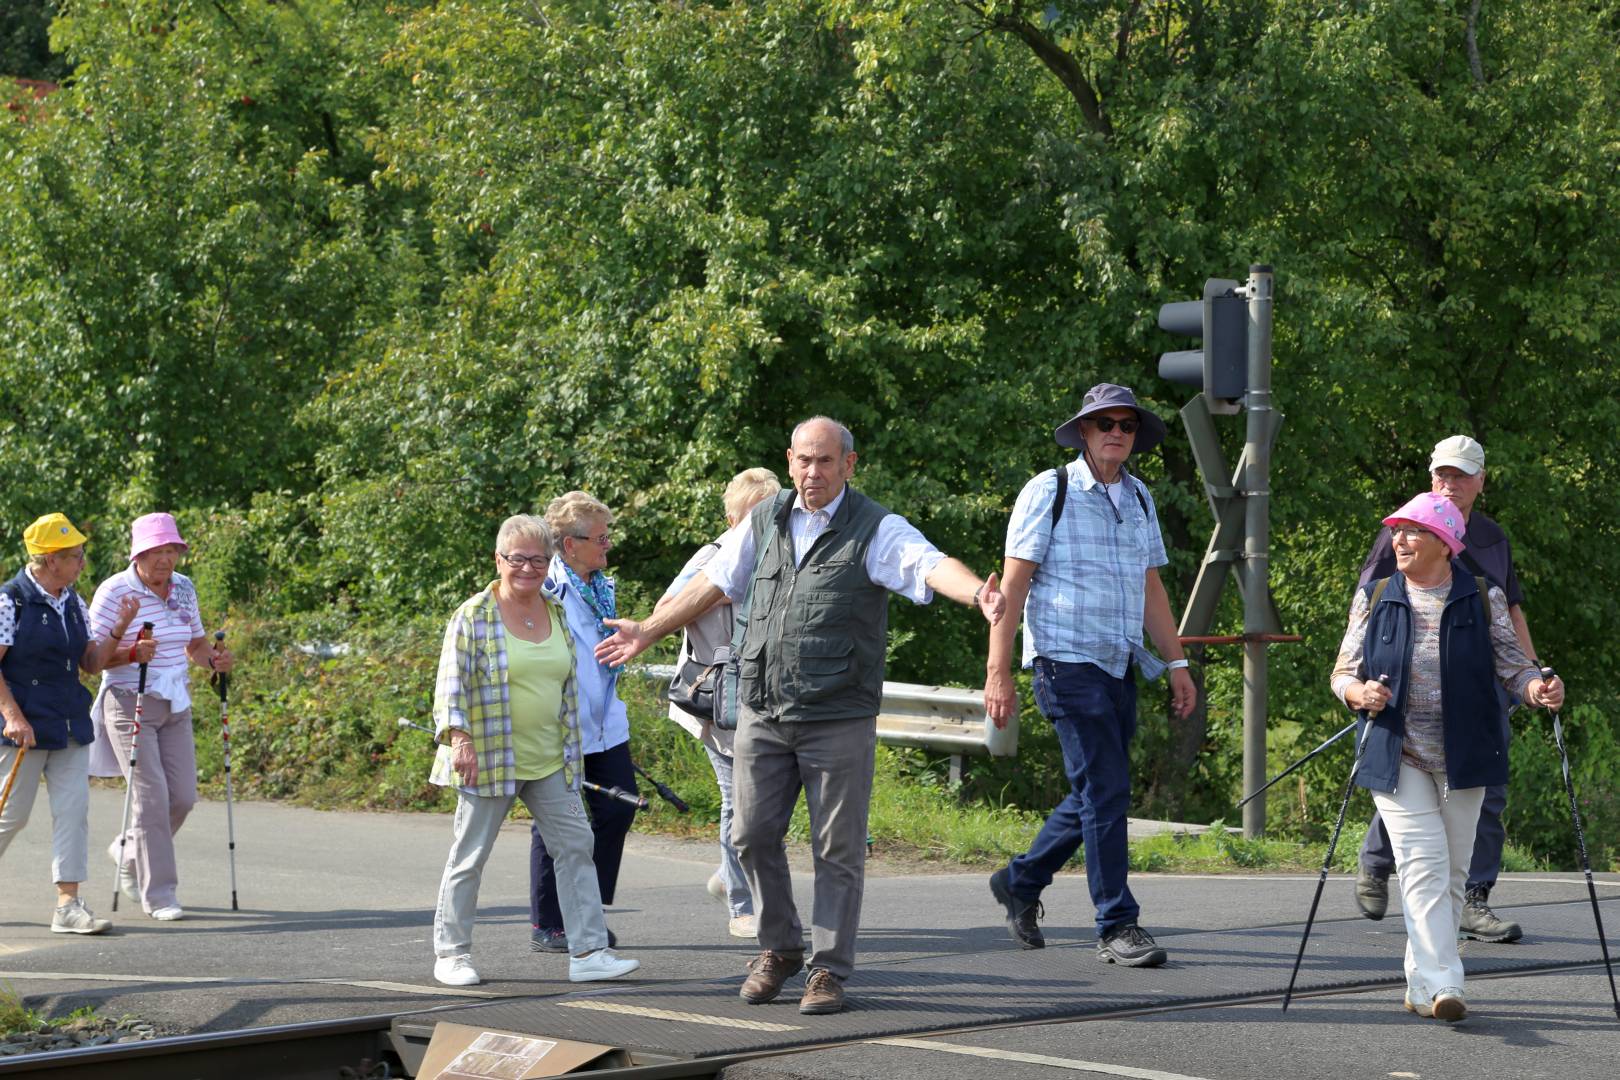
1112	396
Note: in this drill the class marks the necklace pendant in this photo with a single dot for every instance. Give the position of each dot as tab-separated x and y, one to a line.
529	623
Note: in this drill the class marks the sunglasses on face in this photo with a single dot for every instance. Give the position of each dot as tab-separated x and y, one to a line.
1106	424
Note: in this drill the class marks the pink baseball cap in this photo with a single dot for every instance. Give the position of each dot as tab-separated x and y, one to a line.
1439	515
153	530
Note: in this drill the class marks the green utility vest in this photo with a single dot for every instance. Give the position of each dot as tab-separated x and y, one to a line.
813	647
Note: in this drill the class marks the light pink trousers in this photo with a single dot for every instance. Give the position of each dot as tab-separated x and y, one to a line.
165	790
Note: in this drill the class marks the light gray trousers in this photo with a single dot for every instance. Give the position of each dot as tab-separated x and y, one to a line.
165	789
567	833
832	761
66	774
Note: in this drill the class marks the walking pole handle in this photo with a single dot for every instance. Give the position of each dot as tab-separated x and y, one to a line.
146	632
221	680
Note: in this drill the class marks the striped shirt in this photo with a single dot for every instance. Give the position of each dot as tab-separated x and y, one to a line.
1088	594
176	622
471	694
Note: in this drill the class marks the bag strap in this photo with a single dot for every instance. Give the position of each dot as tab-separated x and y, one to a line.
1062	474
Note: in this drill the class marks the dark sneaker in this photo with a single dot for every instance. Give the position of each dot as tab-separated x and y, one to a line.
1130	945
1481	923
1372	894
1021	914
823	993
542	940
767	972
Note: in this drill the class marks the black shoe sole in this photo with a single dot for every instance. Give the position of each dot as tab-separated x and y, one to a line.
1152	958
1007	901
1492	939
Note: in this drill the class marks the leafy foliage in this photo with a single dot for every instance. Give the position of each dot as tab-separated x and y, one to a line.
346	283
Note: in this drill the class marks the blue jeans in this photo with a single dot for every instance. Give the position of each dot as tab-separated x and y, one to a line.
610	822
738	898
1378	854
1094	715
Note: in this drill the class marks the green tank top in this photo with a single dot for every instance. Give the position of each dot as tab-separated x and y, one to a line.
535	674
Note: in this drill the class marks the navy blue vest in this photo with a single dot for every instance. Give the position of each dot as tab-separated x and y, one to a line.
1475	723
41	668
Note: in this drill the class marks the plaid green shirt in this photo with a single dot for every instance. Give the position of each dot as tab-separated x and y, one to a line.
470	693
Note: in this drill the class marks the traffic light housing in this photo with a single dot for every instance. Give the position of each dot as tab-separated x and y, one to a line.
1221	321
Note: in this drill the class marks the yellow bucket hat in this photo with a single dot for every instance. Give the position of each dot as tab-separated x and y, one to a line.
53	532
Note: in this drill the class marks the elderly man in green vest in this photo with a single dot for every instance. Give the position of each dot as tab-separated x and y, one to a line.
810	572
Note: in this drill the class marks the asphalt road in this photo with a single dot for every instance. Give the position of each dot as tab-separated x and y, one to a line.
337	914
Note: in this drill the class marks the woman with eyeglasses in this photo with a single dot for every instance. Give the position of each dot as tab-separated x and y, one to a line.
506	715
1420	662
580	524
165	774
45	641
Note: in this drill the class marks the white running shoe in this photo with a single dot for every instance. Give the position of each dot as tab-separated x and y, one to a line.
74	918
744	926
171	913
1449	1004
128	885
717	885
599	965
456	970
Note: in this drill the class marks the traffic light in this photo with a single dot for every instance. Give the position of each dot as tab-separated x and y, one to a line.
1221	367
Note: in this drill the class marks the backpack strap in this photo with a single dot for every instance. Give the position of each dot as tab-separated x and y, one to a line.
1375	589
1062	474
1484	595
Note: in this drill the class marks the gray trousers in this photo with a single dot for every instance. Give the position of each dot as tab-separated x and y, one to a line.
66	774
165	790
567	832
832	761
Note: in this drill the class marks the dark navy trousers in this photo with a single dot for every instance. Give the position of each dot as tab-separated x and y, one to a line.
610	821
1378	857
1094	715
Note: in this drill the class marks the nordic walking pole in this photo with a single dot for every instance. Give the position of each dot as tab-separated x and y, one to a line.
134	748
11	777
611	792
1268	784
222	683
664	792
1349	787
1547	675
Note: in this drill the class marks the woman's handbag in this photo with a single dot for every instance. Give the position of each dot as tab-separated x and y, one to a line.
692	689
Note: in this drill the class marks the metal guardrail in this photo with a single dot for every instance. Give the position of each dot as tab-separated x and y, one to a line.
949	719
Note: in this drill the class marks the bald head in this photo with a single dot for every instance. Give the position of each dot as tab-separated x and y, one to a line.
821	458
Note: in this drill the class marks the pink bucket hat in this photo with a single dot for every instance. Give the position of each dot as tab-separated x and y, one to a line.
153	530
1439	515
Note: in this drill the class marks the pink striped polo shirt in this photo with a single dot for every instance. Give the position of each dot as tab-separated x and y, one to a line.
175	622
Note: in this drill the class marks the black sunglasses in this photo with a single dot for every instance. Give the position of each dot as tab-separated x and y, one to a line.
1106	423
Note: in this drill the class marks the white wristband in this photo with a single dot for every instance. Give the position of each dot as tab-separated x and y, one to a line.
1176	665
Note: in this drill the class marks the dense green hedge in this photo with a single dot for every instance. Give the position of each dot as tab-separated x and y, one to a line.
345	282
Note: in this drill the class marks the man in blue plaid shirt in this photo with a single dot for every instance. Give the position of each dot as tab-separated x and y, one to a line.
1083	551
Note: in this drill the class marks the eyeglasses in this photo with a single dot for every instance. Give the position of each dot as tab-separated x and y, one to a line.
600	541
536	562
1411	532
1106	423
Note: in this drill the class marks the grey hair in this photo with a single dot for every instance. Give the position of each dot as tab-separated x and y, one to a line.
568	512
37	562
846	440
525	527
749	487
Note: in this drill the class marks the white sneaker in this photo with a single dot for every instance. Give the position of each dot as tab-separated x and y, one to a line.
599	965
128	886
717	885
74	918
1449	1004
456	970
171	913
744	926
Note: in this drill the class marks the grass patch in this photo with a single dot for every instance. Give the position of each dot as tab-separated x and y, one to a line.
17	1018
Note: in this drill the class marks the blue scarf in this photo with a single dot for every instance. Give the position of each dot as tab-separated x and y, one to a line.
599	593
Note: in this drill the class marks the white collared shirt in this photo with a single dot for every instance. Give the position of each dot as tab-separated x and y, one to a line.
176	623
899	558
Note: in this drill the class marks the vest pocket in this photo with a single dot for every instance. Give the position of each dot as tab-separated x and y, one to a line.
826	668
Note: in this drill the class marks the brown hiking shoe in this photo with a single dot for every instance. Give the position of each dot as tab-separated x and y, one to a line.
823	993
767	972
